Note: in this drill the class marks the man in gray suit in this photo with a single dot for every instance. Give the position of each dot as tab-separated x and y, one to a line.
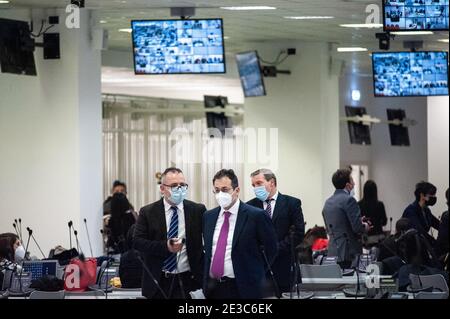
343	220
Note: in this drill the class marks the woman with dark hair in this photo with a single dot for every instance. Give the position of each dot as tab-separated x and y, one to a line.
122	218
373	209
11	253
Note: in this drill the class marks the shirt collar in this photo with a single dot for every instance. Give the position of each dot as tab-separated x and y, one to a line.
168	207
274	198
233	210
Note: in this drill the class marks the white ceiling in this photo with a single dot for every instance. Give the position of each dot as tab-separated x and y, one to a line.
246	27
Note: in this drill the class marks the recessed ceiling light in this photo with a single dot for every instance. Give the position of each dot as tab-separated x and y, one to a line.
413	33
103	21
352	49
4	1
226	38
310	18
125	30
362	25
443	40
248	8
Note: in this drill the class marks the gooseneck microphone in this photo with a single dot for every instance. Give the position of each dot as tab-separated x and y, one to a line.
390	227
78	243
276	287
15	229
35	241
149	273
20	228
88	237
70	233
30	232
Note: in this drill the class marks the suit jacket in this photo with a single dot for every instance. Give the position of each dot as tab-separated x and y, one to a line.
253	230
422	222
287	213
150	238
342	218
443	235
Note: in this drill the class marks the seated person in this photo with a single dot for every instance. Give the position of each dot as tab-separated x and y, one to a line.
130	269
389	247
11	254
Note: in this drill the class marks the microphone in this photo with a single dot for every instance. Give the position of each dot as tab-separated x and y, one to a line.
78	243
276	287
149	273
34	239
294	264
89	237
20	228
70	233
30	232
411	231
15	229
390	227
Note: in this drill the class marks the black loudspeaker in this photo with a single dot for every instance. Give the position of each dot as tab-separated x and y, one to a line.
359	133
51	46
399	133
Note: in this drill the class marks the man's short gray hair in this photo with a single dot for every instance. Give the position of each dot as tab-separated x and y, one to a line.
268	174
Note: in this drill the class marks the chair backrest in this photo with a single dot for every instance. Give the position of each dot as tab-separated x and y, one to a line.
321	271
42	295
437	282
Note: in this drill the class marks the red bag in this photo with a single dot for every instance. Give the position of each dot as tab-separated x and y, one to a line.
79	275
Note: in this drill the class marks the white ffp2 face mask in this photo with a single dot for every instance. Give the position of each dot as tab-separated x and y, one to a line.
19	254
224	199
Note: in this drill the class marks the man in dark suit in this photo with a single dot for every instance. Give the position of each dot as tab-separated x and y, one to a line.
161	230
343	220
236	237
419	213
287	217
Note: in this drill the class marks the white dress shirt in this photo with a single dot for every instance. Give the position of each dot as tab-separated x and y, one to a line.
273	202
182	257
228	269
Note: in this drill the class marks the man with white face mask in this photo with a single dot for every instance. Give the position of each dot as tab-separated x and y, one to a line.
169	234
343	220
287	217
236	238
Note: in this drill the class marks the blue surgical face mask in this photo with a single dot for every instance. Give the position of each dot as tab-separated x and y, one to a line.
261	193
177	196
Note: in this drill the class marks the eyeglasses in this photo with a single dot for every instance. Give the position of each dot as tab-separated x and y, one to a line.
223	190
176	187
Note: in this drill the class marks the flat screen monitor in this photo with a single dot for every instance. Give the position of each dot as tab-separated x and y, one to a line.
178	46
41	268
217	120
399	133
359	133
407	15
410	73
252	79
16	48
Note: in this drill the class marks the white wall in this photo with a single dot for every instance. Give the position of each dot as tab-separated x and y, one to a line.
395	169
304	108
50	163
438	152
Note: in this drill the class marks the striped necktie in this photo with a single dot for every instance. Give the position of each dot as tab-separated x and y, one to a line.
170	264
269	207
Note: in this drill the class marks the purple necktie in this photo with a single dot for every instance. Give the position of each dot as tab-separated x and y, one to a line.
218	264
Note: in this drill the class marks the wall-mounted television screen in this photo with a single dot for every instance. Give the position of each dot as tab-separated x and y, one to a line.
16	48
410	73
407	15
178	46
252	79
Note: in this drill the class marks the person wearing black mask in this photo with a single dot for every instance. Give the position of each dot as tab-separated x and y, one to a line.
419	213
122	218
373	209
